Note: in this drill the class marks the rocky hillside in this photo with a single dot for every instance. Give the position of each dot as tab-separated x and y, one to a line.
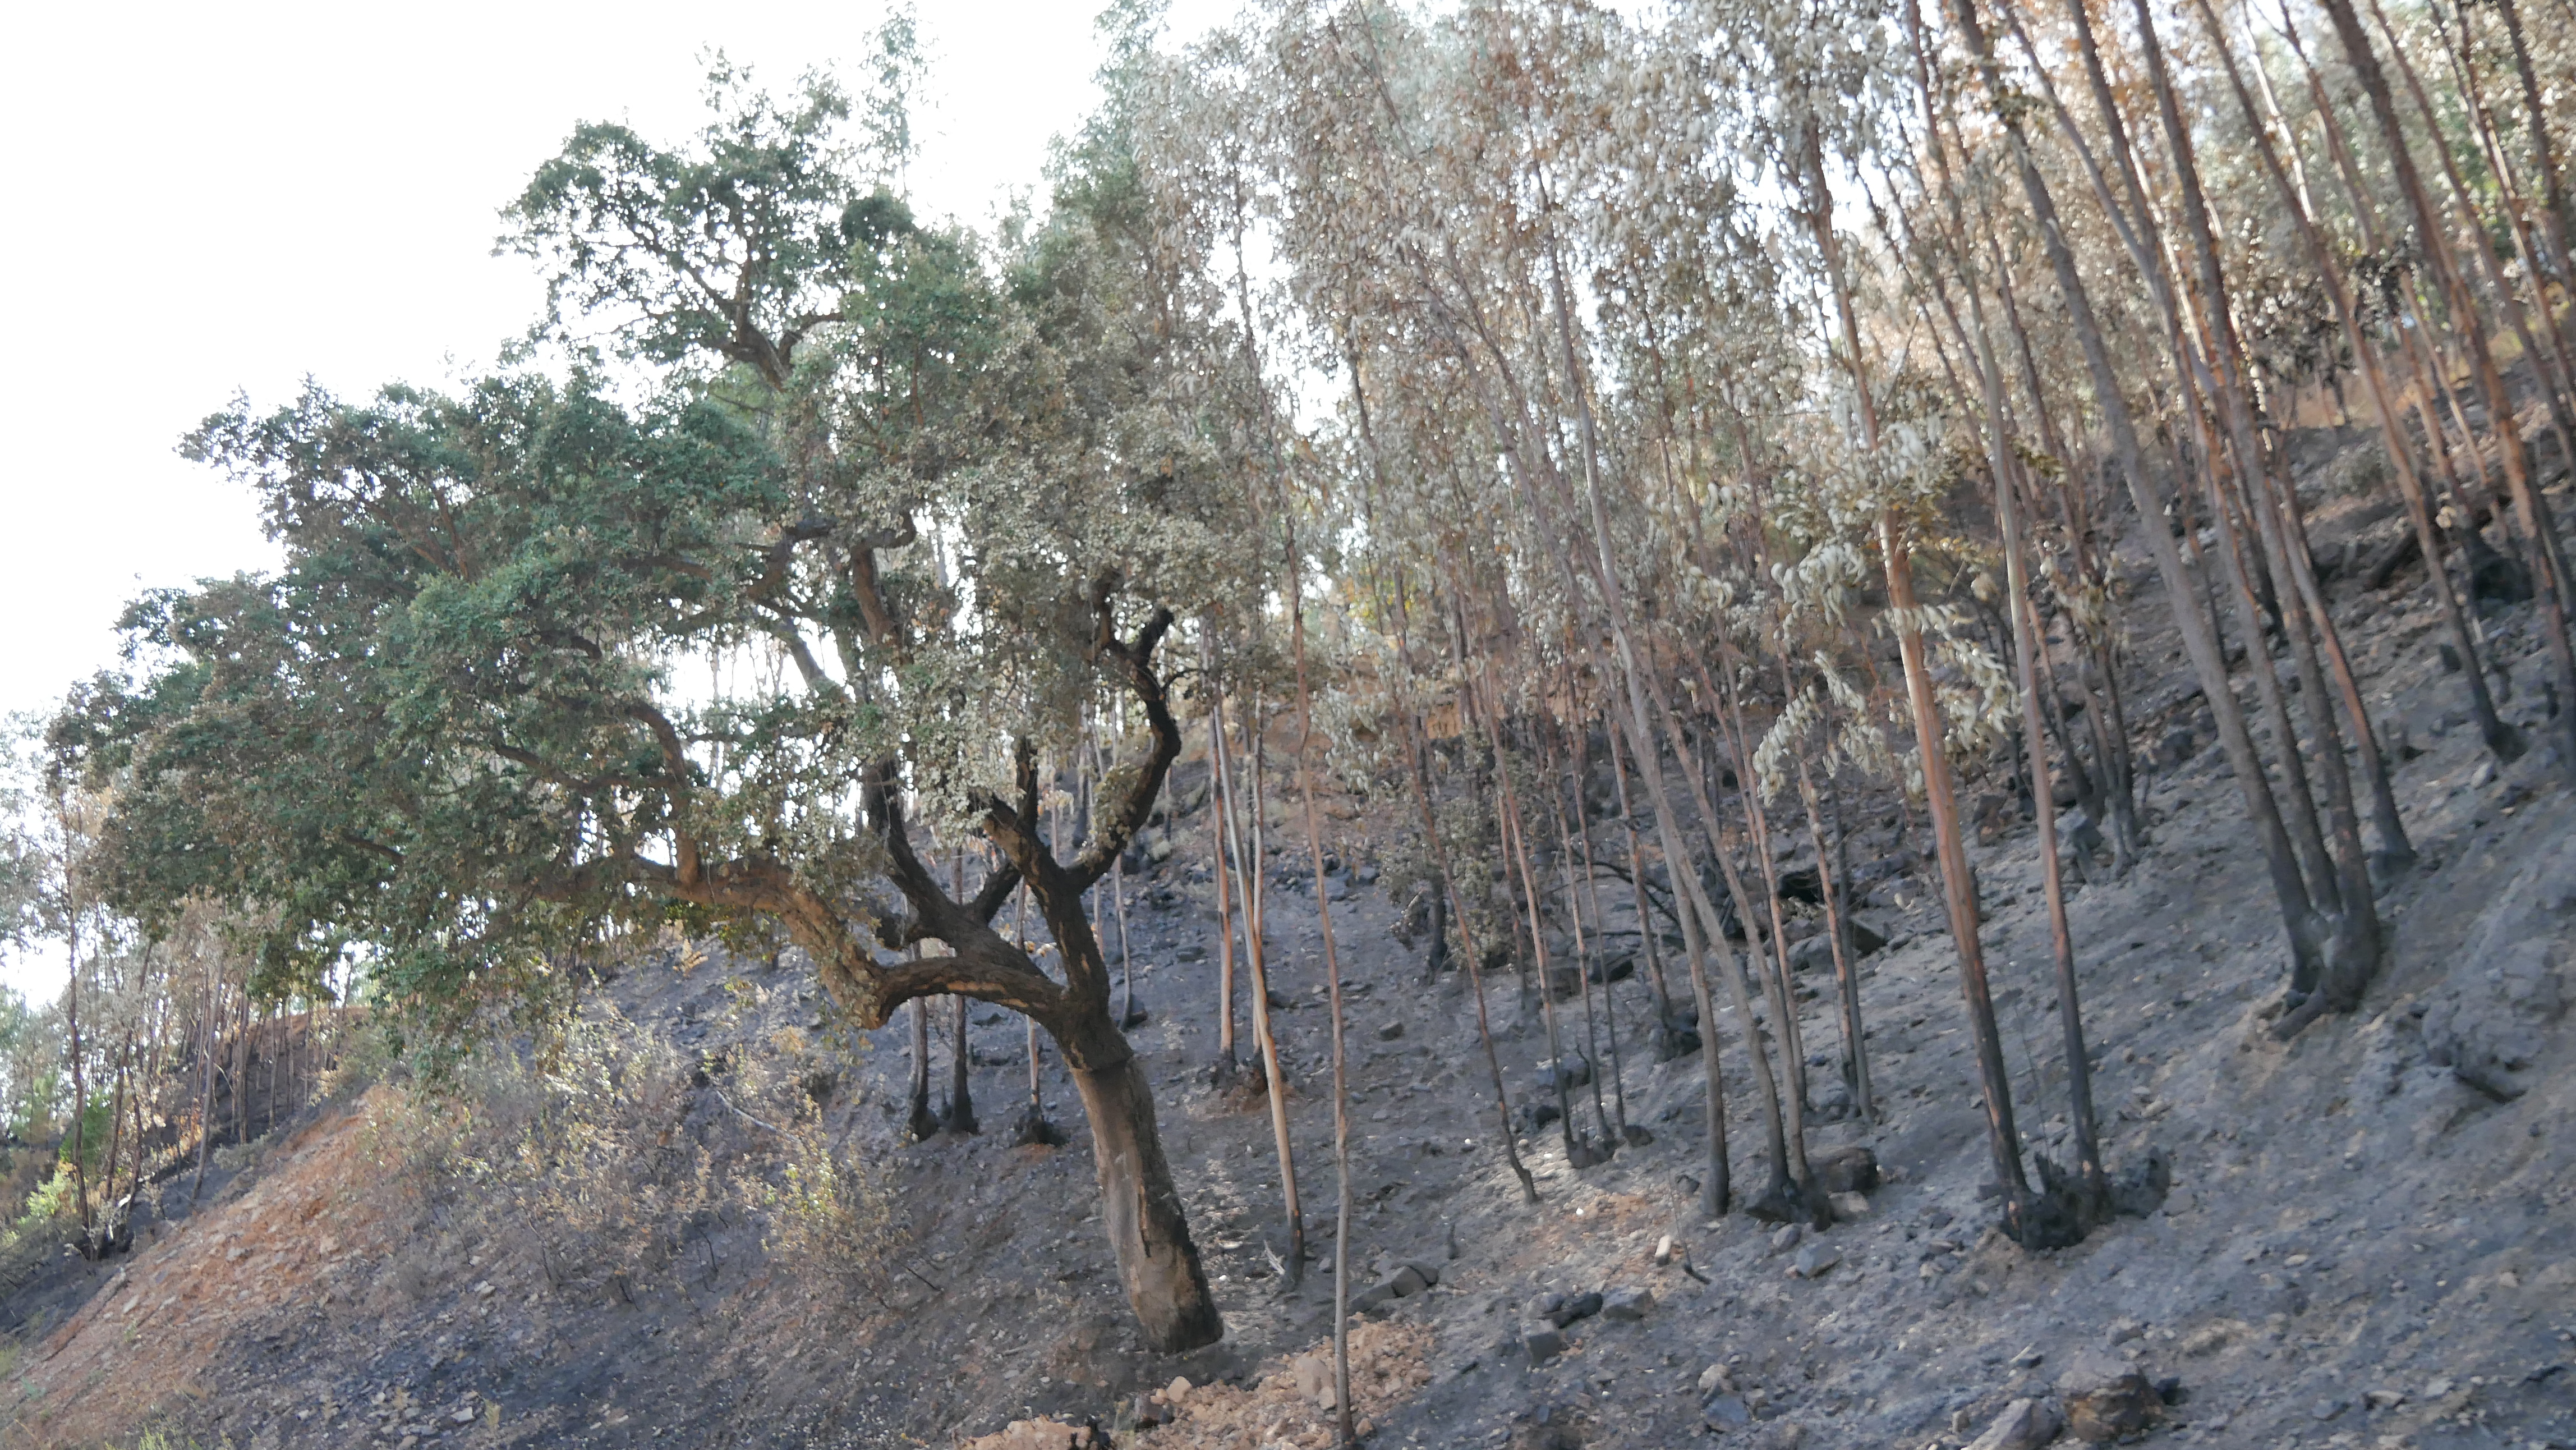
636	1233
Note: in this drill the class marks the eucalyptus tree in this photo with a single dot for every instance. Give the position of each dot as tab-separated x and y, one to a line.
917	505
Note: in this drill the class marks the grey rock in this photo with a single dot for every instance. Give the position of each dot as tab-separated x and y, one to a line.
1834	1102
1571	1070
2077	833
2488	1022
2024	1425
2105	1396
2173	750
1628	1304
1726	1411
1786	1239
1390	1032
1816	1260
1541	1342
1816	953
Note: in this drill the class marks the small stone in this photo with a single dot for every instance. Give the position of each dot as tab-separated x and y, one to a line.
1571	1071
2437	1389
1312	1377
1177	1391
1627	1305
1390	1032
1376	1297
1664	1250
1726	1412
464	1416
1848	1206
1786	1239
1715	1380
1412	1277
1580	1306
1541	1341
2124	1330
1816	1260
2324	1410
2028	1357
2384	1399
2024	1425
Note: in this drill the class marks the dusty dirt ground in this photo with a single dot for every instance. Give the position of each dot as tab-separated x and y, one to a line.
2369	1241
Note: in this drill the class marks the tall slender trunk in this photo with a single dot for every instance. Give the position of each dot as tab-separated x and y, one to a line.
1700	921
922	1122
2558	219
1839	936
1790	1191
104	1233
1128	1017
1579	857
1346	1430
1469	947
2051	1222
80	1084
2184	581
1648	934
1584	956
1959	890
210	1039
1228	1065
1247	881
1507	819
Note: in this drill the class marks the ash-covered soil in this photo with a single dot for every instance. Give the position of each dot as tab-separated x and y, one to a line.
2369	1239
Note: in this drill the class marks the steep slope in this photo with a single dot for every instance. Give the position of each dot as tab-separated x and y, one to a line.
2369	1240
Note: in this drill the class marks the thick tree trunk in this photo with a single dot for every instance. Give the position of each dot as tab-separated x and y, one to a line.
1140	1206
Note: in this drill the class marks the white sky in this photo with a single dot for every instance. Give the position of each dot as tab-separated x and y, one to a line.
219	198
